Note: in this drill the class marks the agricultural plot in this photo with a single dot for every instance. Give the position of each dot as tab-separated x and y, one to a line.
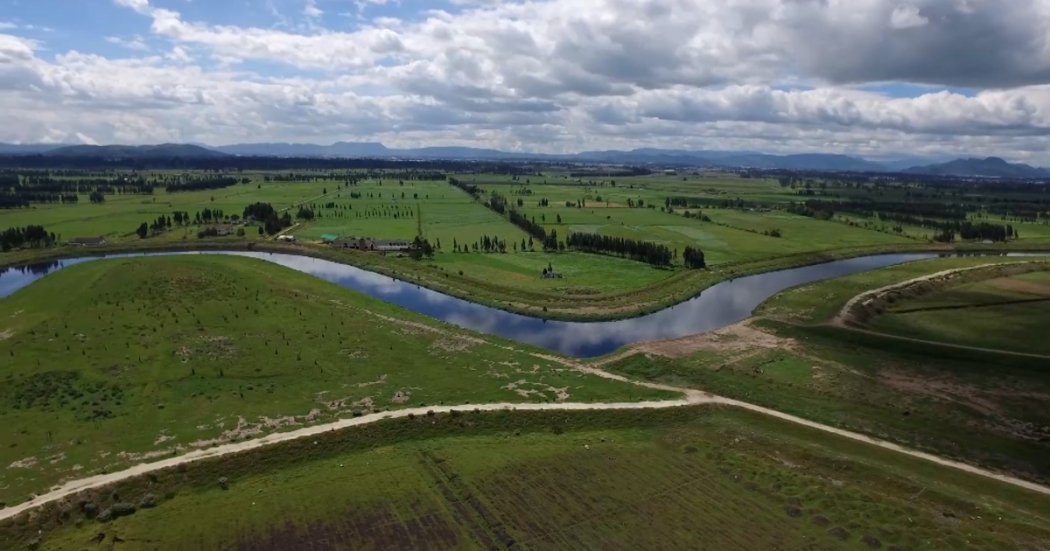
821	301
1007	313
117	218
115	362
683	479
435	210
983	408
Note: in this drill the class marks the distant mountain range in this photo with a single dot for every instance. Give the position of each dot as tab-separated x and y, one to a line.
991	167
168	150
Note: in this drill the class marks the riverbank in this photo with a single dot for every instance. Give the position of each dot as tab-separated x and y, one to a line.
679	287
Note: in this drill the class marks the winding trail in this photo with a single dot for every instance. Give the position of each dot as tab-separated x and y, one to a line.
691	397
844	318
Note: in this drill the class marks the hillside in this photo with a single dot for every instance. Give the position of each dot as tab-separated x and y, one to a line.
134	359
991	167
135	152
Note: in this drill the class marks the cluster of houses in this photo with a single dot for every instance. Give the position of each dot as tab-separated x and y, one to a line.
368	244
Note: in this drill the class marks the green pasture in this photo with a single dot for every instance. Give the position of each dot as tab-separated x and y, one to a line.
820	301
685	479
113	362
1004	313
982	408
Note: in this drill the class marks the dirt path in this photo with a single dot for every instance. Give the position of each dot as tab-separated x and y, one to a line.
842	319
691	397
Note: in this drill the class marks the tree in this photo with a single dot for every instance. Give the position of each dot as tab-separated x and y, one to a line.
694	258
142	230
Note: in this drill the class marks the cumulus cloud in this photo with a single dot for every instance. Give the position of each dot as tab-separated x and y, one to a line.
564	75
907	17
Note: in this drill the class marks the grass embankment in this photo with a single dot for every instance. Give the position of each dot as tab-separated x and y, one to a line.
119	361
821	301
671	479
1007	313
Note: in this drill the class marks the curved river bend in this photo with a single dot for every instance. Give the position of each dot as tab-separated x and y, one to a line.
723	304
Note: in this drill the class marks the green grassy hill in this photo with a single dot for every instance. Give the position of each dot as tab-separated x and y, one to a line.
114	362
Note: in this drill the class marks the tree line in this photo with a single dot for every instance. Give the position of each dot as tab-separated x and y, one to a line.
206	182
642	251
28	236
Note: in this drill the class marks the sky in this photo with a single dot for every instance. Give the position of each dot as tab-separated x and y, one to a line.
875	78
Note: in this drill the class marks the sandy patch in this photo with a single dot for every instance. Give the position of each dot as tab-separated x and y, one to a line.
454	343
26	463
401	397
538	389
379	381
4	335
162	438
739	338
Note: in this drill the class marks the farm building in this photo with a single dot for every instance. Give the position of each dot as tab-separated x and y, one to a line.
87	241
221	229
369	244
288	238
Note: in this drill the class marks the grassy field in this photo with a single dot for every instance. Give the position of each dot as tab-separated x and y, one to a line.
682	479
1007	313
983	408
593	286
819	302
117	361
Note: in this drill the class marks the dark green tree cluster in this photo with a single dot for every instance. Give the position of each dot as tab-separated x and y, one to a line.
471	189
29	236
205	182
694	258
642	251
530	226
305	213
97	197
421	248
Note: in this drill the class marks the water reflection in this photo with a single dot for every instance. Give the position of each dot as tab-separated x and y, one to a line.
721	305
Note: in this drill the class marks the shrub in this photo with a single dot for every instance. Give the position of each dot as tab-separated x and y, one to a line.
224	483
90	509
105	516
147	502
430	413
123	509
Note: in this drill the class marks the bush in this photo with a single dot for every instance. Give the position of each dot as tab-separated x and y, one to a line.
105	516
89	509
147	502
123	509
224	483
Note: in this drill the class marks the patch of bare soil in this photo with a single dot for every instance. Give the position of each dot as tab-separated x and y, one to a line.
737	338
1021	286
211	348
4	335
26	463
539	389
453	343
401	396
984	401
379	381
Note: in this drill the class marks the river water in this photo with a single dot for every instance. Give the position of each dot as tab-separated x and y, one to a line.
720	305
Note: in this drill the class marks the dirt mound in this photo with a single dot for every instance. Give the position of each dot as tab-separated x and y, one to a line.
839	532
